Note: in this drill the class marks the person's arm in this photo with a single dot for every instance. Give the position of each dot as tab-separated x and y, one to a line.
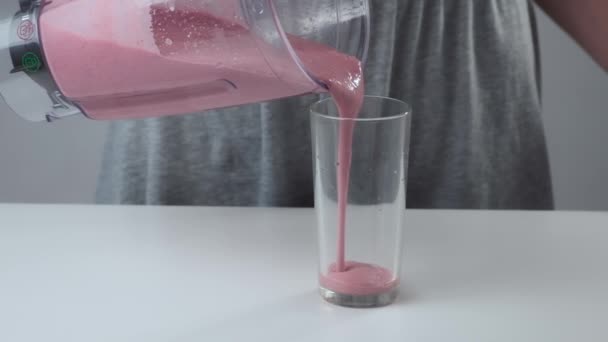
586	21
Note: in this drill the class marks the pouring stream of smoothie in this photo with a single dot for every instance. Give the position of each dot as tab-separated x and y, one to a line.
343	76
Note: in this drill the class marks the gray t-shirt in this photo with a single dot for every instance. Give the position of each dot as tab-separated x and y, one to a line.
468	67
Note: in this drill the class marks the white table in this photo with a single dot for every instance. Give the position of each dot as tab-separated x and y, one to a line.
109	274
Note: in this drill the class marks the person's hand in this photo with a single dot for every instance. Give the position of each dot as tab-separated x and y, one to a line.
586	21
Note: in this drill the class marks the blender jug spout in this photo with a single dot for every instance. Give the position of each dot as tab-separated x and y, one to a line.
282	26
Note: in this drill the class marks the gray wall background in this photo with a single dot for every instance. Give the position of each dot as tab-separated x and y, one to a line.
59	163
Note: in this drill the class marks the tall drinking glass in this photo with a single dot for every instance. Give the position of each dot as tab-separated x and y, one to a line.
360	168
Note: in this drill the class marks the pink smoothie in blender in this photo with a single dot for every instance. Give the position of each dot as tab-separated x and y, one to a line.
161	59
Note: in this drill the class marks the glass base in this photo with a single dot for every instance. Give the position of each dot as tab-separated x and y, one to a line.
359	301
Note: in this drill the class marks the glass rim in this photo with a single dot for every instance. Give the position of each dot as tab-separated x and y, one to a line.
402	114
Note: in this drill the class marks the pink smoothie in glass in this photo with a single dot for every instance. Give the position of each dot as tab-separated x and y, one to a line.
179	59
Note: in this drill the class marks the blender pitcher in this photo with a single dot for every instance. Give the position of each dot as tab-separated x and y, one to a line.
126	59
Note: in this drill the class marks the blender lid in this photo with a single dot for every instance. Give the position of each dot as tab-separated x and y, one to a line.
27	87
